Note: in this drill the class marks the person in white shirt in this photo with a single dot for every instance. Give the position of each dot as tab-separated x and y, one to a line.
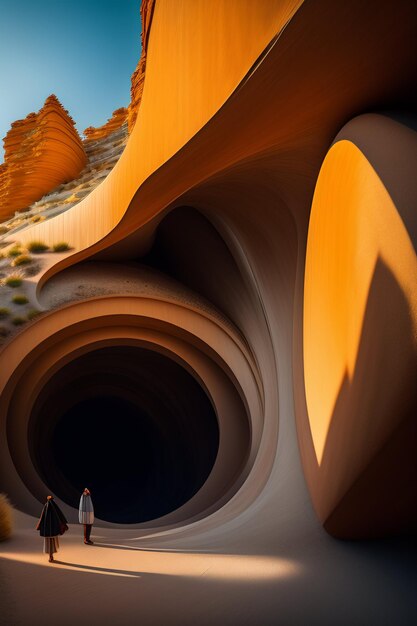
86	515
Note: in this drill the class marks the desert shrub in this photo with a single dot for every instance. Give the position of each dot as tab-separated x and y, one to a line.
13	280
3	230
37	246
15	251
23	259
32	313
37	218
61	246
4	312
20	298
18	320
4	331
6	517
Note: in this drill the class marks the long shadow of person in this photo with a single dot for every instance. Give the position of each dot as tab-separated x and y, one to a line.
101	570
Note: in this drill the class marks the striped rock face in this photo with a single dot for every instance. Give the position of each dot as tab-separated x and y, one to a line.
41	152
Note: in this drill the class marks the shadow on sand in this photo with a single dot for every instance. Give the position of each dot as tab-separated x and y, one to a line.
108	570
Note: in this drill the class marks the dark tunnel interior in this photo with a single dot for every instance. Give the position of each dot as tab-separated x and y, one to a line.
130	424
188	248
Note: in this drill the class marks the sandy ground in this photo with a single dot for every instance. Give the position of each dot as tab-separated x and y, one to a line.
273	565
124	580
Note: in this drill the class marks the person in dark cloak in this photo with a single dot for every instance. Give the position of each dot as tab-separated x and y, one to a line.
86	515
52	523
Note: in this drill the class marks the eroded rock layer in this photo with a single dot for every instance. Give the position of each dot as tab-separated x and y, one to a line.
138	76
117	120
44	151
102	155
41	151
129	114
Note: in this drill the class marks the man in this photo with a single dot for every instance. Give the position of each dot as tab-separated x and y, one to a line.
86	515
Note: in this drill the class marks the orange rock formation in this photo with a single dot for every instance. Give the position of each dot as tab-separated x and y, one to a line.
117	120
41	151
120	116
138	76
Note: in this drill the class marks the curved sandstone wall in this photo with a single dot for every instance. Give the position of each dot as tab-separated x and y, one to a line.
360	329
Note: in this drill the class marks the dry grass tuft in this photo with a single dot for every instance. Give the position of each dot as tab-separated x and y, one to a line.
61	246
6	517
3	332
37	247
32	313
14	280
23	259
15	251
20	298
18	320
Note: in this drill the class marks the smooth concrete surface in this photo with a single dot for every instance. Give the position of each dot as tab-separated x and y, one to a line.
360	321
304	577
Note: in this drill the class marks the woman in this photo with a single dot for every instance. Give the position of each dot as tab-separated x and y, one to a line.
51	523
86	515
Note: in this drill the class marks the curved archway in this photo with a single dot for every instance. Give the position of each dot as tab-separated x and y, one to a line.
132	424
70	333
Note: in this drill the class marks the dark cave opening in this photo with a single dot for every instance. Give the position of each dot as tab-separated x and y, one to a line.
130	424
188	248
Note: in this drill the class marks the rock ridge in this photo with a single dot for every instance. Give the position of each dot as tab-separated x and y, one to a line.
42	151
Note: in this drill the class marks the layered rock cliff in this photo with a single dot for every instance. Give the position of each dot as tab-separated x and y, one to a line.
138	76
117	120
44	151
102	155
41	151
129	114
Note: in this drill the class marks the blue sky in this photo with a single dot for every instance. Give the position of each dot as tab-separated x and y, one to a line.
84	51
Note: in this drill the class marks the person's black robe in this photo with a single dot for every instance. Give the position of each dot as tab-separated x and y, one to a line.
52	521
